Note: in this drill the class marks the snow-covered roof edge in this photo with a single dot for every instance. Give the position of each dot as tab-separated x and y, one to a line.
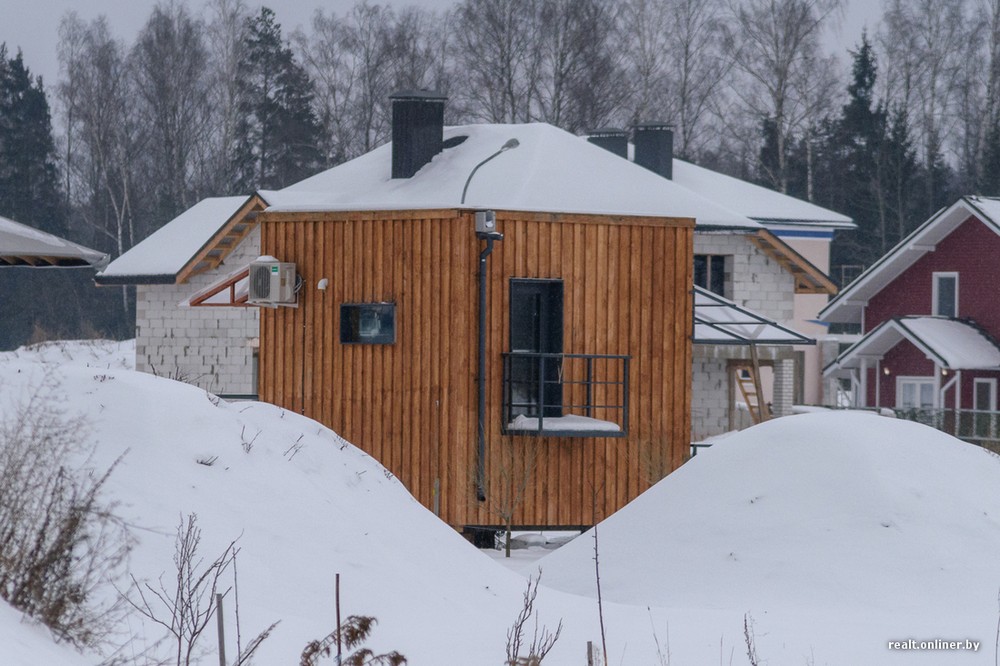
129	267
24	245
757	202
910	328
847	305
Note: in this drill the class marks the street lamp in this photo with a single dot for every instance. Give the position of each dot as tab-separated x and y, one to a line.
510	145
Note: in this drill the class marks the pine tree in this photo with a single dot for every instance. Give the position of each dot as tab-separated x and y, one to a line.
278	135
32	301
28	177
855	161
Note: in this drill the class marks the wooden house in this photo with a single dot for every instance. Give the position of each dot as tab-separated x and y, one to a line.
574	266
929	323
504	321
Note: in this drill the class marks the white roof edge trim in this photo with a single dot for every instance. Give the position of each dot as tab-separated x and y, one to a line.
903	328
908	245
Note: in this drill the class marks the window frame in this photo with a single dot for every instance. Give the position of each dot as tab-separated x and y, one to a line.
350	323
715	265
919	381
937	277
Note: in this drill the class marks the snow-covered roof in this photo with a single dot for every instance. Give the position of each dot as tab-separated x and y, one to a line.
949	343
852	299
719	321
754	201
165	252
21	245
551	170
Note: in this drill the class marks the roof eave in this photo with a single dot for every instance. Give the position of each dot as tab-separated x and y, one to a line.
124	280
215	250
857	288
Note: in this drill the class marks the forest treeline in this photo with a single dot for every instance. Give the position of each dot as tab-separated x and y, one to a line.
219	99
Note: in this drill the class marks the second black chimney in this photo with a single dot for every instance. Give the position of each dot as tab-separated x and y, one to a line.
654	148
417	129
608	138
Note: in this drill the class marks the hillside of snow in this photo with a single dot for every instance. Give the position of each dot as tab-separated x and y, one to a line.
834	533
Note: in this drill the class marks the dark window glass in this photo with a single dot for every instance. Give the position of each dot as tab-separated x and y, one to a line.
947	297
368	323
710	273
536	326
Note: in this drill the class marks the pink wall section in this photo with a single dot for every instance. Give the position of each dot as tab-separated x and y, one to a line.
973	251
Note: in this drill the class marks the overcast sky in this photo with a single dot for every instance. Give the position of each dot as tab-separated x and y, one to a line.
33	25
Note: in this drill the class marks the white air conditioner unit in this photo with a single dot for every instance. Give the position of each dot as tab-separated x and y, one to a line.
272	283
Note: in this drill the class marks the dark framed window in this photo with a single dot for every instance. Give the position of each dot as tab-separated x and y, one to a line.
710	273
536	327
368	323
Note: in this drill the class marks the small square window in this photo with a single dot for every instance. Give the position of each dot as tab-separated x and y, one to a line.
368	323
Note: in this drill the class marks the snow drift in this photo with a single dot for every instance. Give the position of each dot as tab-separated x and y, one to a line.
834	533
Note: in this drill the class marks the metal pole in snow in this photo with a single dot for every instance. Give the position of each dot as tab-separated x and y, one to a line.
222	629
338	621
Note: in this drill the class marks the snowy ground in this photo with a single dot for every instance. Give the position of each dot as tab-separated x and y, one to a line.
835	533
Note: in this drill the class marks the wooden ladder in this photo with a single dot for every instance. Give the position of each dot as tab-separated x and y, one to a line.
750	386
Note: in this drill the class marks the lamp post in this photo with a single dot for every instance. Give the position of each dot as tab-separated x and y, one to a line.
489	237
510	145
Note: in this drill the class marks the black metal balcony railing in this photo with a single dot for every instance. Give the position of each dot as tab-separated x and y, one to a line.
975	426
565	395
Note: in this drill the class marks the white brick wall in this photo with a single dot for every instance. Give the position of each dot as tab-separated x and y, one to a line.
760	284
709	397
210	347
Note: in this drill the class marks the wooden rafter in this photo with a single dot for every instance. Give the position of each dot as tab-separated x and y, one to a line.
232	233
229	284
808	278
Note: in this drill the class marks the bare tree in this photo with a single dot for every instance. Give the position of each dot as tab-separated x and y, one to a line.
677	65
924	44
224	30
698	67
97	92
771	41
542	640
357	60
172	87
498	56
580	76
185	607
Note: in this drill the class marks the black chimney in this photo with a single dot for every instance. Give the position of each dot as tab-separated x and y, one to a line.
417	129
610	138
654	148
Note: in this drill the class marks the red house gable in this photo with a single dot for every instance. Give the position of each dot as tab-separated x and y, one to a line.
971	251
929	320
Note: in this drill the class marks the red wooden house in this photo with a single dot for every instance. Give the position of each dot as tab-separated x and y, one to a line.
929	321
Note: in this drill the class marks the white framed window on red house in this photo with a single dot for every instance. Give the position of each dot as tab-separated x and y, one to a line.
914	392
945	294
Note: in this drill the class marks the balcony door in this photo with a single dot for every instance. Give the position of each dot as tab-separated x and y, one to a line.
536	327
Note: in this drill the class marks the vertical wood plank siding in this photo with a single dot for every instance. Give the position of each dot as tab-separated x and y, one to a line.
412	404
